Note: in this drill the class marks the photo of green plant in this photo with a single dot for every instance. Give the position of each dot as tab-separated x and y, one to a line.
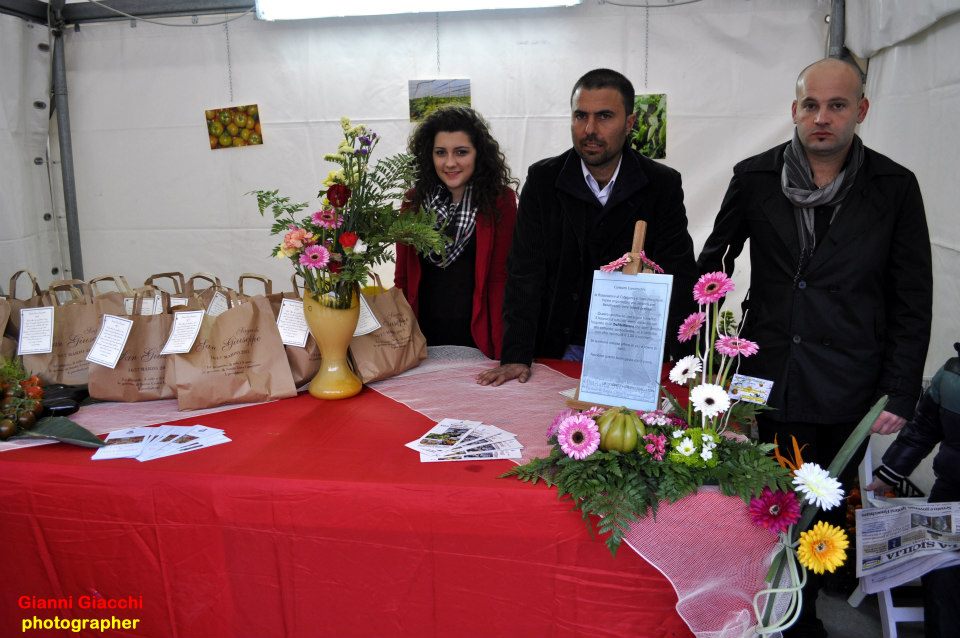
649	136
426	96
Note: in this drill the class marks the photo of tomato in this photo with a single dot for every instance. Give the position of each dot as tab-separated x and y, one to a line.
234	126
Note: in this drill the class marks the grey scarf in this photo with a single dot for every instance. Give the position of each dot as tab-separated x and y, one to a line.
797	183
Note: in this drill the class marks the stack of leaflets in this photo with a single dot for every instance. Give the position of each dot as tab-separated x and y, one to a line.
459	440
157	441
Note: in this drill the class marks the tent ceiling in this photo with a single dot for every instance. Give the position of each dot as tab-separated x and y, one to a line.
80	12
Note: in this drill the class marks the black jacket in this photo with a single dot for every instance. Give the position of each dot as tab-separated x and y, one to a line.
937	421
856	323
563	234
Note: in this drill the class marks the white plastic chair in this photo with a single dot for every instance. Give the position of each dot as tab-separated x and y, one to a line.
890	614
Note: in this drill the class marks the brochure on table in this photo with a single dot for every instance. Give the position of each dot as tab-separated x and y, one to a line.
626	332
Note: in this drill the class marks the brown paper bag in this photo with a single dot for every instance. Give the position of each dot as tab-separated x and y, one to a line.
75	326
238	358
33	299
397	345
241	295
121	293
8	345
142	373
204	294
304	362
179	283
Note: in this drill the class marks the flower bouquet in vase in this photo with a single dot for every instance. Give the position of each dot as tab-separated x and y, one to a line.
335	247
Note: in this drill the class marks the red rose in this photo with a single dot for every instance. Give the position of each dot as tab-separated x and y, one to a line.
337	195
334	267
348	239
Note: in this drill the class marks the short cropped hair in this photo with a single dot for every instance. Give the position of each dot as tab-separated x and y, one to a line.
607	78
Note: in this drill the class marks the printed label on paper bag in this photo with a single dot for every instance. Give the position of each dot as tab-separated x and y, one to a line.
750	389
367	322
186	327
36	330
218	305
110	342
292	324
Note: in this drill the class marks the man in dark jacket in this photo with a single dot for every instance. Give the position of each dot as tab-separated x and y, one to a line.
577	212
840	280
937	420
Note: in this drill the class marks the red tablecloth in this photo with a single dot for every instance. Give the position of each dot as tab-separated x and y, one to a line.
314	521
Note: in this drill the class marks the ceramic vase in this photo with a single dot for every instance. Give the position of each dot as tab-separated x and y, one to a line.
333	329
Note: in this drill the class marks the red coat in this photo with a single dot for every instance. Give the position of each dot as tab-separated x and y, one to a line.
490	274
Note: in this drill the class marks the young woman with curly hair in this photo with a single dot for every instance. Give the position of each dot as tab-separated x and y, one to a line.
463	176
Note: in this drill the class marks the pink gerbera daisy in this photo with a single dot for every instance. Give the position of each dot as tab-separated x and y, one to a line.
557	420
578	436
734	346
775	511
315	257
327	218
649	262
712	287
691	326
616	264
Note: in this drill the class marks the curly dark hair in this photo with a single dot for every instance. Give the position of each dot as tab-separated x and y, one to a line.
491	175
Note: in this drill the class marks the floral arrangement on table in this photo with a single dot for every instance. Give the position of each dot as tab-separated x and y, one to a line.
619	464
334	248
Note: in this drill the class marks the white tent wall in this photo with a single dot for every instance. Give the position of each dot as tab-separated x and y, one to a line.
153	197
914	88
28	229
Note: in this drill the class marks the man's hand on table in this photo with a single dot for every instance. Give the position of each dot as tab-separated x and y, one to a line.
502	374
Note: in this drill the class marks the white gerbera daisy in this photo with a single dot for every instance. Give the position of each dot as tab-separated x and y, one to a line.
686	369
817	486
706	454
686	447
709	399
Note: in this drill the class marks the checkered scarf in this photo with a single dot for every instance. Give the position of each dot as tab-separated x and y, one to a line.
456	221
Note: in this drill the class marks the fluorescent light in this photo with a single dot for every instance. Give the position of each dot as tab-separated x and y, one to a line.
299	9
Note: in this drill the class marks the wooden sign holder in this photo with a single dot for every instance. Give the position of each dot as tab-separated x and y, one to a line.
634	267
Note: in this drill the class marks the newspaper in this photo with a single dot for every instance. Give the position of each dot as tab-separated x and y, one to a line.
903	539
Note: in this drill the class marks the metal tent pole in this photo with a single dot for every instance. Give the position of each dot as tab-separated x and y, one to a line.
836	48
66	145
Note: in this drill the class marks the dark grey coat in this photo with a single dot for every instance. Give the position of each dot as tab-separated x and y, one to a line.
856	323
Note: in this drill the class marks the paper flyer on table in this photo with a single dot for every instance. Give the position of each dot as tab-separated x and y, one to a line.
158	441
459	440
